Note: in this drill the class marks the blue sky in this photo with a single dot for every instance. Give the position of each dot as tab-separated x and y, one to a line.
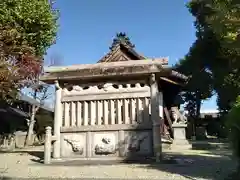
158	28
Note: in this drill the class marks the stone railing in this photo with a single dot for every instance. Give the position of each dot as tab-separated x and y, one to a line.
106	105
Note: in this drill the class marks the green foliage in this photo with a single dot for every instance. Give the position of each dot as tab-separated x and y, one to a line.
7	82
228	91
226	21
27	29
43	119
233	124
214	57
33	21
195	69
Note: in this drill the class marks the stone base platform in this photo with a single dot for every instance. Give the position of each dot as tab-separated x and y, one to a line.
180	141
181	144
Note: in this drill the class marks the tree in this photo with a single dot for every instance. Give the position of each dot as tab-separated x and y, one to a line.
33	20
7	81
226	21
195	91
234	127
27	29
40	93
44	118
214	50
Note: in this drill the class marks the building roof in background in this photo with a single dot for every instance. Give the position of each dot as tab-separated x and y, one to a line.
30	100
209	111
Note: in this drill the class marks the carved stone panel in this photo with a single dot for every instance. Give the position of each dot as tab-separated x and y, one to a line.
73	144
104	144
138	143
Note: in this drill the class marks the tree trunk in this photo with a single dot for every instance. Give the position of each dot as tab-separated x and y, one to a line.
29	136
198	105
193	128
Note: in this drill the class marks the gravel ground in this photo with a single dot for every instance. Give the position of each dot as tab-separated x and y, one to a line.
187	165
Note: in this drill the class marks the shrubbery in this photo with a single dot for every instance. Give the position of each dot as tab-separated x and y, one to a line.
43	119
233	124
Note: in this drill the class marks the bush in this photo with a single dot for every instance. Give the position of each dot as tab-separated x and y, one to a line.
233	124
43	119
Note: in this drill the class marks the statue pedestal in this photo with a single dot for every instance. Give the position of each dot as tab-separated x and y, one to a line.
179	133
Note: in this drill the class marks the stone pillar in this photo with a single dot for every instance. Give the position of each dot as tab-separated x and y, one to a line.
160	96
89	145
121	148
155	117
179	133
47	145
57	121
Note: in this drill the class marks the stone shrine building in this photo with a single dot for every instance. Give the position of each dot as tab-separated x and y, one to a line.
120	107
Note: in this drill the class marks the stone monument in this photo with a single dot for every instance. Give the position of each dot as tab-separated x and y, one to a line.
179	130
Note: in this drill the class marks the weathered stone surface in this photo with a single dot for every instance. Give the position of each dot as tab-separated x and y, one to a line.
73	144
135	143
20	137
105	148
139	143
105	143
76	145
178	117
180	141
179	131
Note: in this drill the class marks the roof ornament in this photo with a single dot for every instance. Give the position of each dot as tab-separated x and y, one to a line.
121	38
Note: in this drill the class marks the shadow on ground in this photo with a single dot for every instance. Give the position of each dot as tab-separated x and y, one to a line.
38	154
215	165
196	166
16	178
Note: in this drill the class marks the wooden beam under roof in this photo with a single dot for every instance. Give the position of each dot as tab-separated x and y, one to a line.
171	81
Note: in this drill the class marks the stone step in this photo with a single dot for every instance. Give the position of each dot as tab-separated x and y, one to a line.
210	145
198	145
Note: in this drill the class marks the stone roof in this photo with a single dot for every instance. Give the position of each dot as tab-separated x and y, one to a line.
121	49
110	69
121	61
